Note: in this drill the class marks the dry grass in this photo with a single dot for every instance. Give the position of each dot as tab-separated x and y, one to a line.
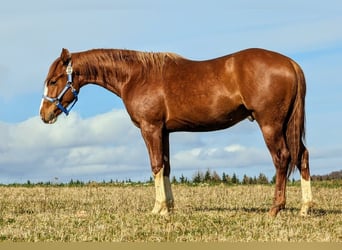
203	213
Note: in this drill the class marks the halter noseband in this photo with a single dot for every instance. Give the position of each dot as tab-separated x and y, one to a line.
58	100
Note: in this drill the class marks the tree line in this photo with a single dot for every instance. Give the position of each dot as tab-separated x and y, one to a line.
212	177
199	177
207	177
335	175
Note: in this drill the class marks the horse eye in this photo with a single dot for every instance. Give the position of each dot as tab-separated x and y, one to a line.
52	82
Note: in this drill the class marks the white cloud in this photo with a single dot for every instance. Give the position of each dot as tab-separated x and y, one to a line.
234	148
106	146
231	156
102	144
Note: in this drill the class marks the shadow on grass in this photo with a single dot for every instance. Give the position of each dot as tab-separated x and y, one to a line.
231	209
324	212
316	212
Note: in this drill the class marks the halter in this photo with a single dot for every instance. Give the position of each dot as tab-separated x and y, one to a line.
57	100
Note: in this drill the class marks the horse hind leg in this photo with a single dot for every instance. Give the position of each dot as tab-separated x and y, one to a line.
305	182
275	142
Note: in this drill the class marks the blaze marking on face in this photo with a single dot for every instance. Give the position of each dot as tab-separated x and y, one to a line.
45	93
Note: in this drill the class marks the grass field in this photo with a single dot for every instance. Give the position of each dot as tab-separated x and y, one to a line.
203	214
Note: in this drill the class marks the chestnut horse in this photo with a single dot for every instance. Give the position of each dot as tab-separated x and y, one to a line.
164	93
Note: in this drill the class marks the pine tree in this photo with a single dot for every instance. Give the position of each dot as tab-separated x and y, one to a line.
224	178
245	180
174	180
262	179
235	179
207	176
198	177
182	179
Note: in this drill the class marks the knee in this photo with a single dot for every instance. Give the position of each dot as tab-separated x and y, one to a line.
305	159
157	170
284	154
303	165
282	158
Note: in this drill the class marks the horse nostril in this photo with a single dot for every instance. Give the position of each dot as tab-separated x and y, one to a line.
51	116
47	118
43	119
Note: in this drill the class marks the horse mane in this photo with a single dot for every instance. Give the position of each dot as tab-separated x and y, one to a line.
91	62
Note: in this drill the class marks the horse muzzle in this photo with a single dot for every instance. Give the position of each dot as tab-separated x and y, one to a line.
50	120
49	117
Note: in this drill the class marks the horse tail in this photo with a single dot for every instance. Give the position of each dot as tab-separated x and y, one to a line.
295	130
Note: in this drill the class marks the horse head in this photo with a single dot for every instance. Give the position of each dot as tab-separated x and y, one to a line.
60	89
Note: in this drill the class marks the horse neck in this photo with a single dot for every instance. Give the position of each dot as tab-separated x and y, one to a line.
111	69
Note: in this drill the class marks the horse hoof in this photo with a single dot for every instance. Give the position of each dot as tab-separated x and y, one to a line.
305	209
162	208
304	212
275	210
162	212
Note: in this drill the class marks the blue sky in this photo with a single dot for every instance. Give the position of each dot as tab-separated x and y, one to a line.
97	140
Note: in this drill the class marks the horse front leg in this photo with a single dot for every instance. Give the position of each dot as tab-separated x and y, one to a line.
158	149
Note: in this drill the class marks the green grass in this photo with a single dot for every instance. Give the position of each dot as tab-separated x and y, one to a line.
203	213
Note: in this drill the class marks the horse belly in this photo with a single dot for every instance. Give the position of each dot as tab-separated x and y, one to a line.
201	120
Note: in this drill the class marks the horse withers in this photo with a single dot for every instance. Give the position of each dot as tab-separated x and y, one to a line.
165	93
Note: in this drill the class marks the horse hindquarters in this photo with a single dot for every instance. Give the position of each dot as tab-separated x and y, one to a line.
284	133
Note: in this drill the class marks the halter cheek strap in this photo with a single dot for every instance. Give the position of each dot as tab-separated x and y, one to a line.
58	100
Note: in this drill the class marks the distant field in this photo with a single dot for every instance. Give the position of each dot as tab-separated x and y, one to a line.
203	214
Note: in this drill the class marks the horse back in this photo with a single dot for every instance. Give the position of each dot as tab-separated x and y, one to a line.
213	94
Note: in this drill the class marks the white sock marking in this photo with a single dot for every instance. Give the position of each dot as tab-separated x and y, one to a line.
164	197
306	190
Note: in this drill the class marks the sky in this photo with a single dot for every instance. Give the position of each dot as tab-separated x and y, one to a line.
97	141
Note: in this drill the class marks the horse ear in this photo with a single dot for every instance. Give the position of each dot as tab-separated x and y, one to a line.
65	56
